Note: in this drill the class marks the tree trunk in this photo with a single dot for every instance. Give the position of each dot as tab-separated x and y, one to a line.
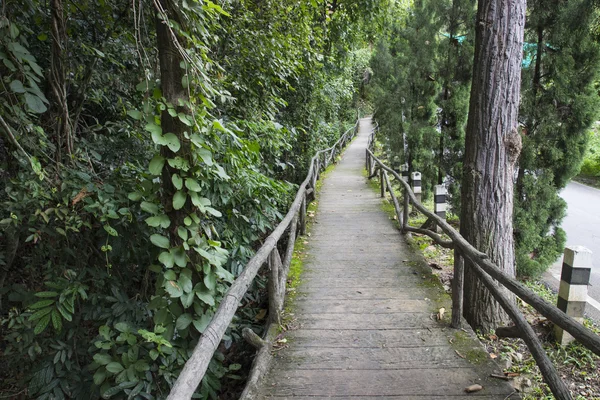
171	76
58	82
493	144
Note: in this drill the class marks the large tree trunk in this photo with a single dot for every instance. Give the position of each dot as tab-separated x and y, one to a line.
493	144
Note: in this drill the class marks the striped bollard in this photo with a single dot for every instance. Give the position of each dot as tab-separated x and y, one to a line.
404	169
439	206
574	280
416	187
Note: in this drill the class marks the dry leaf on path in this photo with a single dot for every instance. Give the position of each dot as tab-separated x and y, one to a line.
473	388
440	315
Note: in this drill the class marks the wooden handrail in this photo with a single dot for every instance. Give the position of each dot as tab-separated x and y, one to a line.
196	366
486	270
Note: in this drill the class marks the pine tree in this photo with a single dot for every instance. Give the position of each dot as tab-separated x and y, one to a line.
558	105
455	71
407	110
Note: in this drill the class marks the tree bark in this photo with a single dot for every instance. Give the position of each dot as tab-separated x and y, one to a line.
493	144
171	76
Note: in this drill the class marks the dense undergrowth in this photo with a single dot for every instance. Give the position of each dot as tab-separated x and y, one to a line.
132	193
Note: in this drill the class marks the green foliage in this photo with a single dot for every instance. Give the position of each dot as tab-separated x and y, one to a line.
591	159
126	214
558	105
421	74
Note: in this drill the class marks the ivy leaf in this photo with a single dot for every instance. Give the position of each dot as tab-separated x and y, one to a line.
160	241
213	212
192	185
180	257
210	280
170	275
167	259
173	289
206	156
179	163
187	299
156	165
110	230
182	233
177	181
205	296
159	220
17	86
185	282
155	131
35	104
148	207
172	142
183	321
179	199
134	196
185	119
202	323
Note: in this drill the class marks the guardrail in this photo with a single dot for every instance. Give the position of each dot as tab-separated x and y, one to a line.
487	272
293	223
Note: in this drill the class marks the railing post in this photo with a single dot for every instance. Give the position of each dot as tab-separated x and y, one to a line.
275	298
303	215
416	186
574	280
457	289
439	201
381	182
406	203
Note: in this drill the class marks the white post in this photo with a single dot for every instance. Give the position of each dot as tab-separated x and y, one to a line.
574	280
439	203
416	186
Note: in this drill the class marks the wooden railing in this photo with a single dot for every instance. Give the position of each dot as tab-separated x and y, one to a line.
489	274
294	223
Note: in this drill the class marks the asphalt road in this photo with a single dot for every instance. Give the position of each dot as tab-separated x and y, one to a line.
582	225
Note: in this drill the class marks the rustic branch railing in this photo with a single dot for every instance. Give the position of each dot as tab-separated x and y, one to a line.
490	275
295	220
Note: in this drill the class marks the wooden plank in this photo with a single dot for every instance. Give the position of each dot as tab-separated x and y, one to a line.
409	281
361	306
417	382
417	337
399	321
315	358
364	293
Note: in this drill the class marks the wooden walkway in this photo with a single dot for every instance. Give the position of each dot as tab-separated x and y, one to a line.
365	310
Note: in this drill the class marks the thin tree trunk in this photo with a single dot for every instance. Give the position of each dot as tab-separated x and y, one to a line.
171	76
58	81
493	144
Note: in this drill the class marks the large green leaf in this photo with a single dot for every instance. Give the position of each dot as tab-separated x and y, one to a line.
159	220
173	289
35	104
160	241
183	321
114	367
179	199
192	185
156	165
